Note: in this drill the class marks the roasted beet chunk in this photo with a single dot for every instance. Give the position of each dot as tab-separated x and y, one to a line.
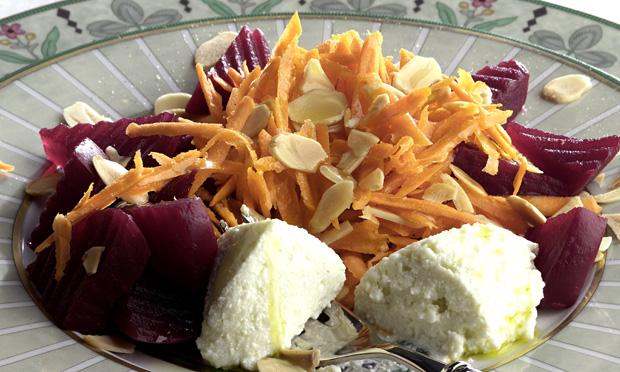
182	241
154	311
573	161
79	174
472	161
568	244
60	141
250	46
80	301
508	82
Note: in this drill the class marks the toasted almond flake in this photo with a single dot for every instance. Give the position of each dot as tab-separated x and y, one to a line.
333	174
605	244
467	181
608	197
257	120
374	89
319	105
315	77
599	179
573	202
336	233
461	202
613	221
334	201
171	101
566	89
361	142
114	156
419	72
113	343
373	181
44	185
599	257
211	50
277	365
492	166
377	105
614	184
306	359
110	171
440	193
80	112
297	152
91	258
390	216
527	210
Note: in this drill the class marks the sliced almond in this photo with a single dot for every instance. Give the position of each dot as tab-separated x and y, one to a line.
527	210
315	77
376	106
613	221
297	152
440	193
44	185
566	89
608	197
80	112
319	105
573	202
333	174
91	258
277	365
372	90
113	343
334	234
391	216
599	179
109	171
171	102
492	165
211	50
605	244
334	201
360	142
373	181
465	180
461	202
306	359
114	156
257	121
419	72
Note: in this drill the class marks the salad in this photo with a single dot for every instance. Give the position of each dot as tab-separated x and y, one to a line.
366	154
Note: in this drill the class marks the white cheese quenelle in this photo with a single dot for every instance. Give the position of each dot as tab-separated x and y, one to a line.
464	291
269	279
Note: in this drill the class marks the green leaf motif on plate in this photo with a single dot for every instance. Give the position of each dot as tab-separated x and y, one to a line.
131	15
548	39
489	25
48	48
446	14
359	6
265	7
220	8
15	58
585	38
597	58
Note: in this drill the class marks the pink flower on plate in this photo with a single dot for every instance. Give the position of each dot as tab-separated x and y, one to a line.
484	3
11	31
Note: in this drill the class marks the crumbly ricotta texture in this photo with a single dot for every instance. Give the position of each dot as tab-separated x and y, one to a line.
464	291
270	278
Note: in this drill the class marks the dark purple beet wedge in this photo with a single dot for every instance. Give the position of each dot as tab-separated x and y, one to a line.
60	141
250	46
182	241
472	161
508	82
156	312
79	174
80	301
177	188
573	161
568	244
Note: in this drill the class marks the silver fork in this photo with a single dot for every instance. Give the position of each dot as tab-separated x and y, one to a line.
360	347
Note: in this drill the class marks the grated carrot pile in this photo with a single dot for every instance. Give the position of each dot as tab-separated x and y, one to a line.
415	135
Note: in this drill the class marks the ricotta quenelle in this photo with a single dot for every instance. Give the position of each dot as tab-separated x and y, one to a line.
270	278
464	291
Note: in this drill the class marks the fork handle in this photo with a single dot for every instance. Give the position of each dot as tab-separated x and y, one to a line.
423	363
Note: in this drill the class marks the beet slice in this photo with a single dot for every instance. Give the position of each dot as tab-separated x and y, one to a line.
182	241
82	302
250	46
177	188
508	82
60	141
79	173
573	161
153	311
472	161
568	244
